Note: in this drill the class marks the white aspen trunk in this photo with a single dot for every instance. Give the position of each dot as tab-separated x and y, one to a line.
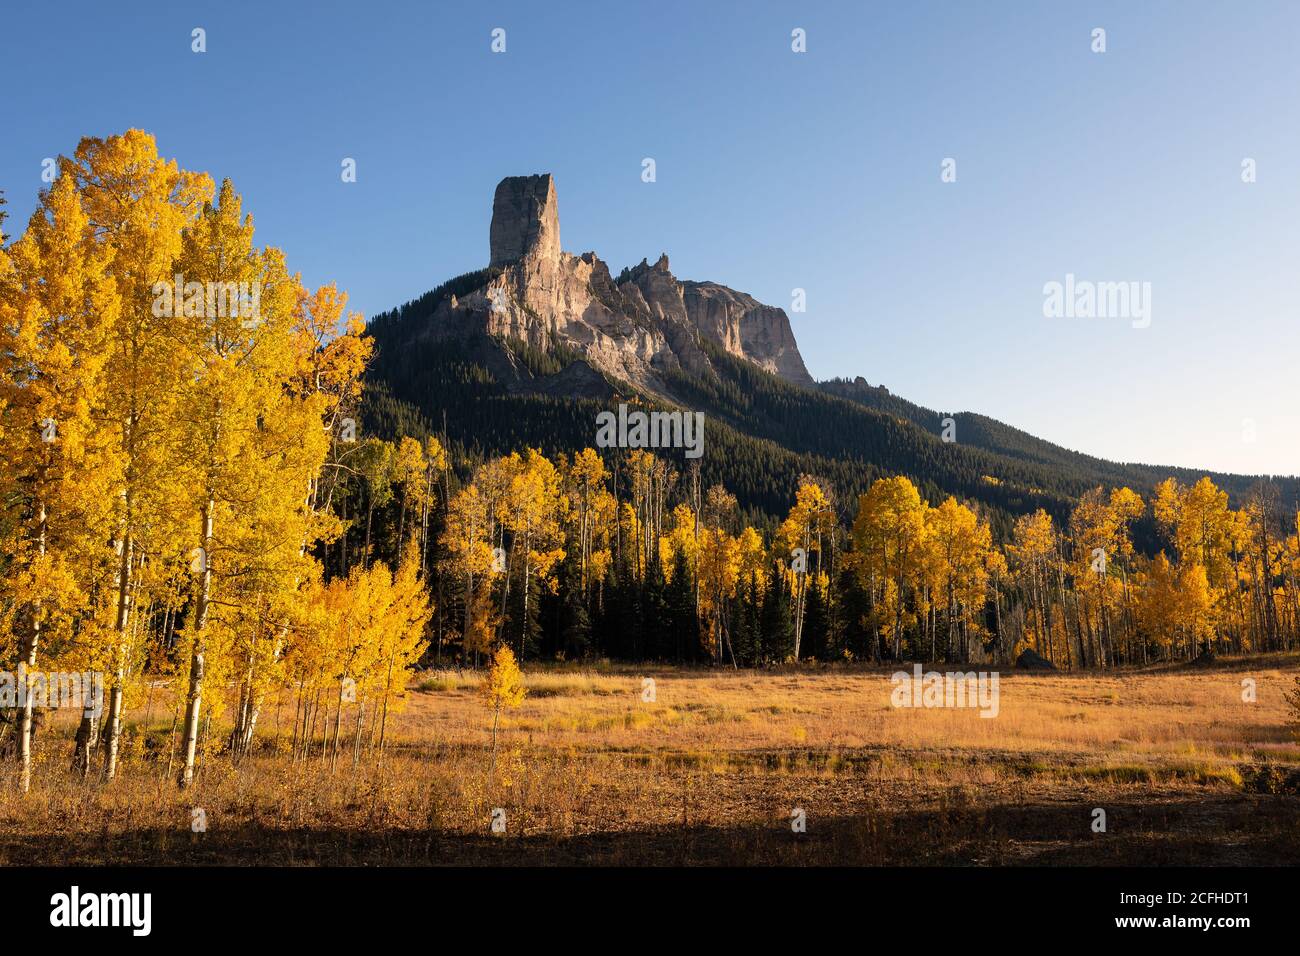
194	697
523	624
29	661
383	722
338	718
356	739
119	673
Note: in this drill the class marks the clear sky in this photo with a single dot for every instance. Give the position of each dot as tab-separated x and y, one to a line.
775	170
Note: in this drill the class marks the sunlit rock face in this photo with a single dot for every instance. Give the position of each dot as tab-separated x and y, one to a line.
633	329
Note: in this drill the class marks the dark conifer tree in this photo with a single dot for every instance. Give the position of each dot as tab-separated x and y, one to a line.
816	624
683	642
575	623
776	624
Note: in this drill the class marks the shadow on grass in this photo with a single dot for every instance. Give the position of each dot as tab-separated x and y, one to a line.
1209	830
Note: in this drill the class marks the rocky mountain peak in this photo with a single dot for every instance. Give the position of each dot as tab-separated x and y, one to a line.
525	220
634	329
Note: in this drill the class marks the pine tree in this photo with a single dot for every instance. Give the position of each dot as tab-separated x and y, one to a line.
817	624
776	624
575	632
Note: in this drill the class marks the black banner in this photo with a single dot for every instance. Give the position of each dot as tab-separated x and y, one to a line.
339	906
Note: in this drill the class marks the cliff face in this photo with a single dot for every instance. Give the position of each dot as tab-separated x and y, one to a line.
746	328
525	219
632	329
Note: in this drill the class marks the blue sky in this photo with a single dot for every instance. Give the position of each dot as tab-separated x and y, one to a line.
775	170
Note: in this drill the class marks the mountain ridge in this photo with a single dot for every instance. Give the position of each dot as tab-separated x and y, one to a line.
530	347
635	329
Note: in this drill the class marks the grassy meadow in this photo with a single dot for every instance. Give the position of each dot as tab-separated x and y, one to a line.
709	772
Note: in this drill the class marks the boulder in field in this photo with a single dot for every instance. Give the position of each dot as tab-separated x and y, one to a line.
1031	660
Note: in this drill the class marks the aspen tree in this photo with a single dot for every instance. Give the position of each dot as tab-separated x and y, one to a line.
247	447
801	532
1032	553
534	521
682	539
719	564
888	535
502	688
585	477
467	541
410	474
960	543
138	205
402	639
57	307
329	355
1197	522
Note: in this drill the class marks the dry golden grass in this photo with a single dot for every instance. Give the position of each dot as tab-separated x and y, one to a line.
709	773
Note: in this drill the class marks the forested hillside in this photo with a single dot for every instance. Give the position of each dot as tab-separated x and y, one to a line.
492	396
823	522
992	435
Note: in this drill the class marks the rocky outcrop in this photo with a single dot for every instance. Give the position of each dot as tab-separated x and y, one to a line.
1031	660
525	220
746	328
635	329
